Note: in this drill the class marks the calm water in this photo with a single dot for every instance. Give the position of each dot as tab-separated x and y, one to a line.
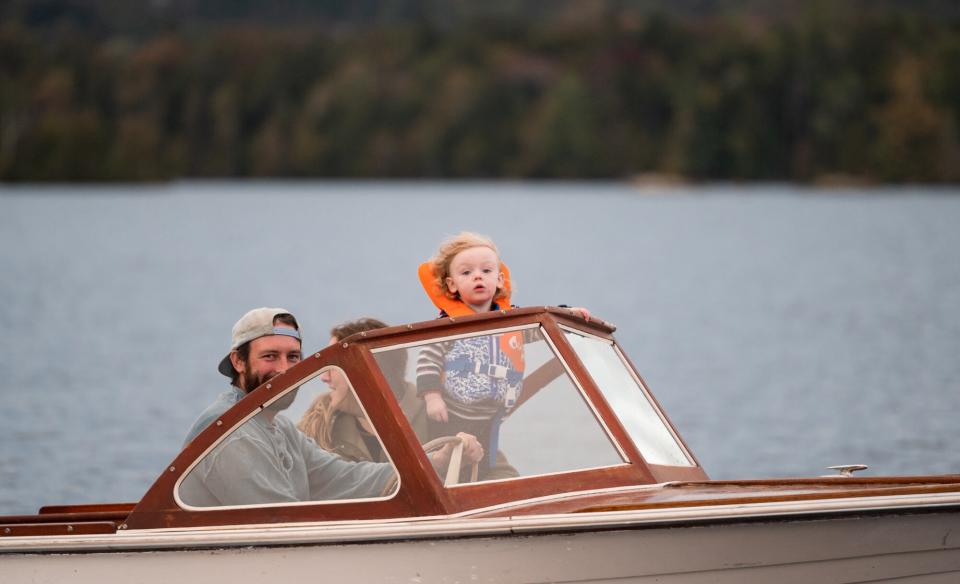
783	329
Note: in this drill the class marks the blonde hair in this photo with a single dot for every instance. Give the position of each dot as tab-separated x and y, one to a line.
449	249
317	422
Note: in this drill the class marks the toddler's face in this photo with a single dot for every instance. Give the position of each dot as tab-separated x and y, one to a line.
475	274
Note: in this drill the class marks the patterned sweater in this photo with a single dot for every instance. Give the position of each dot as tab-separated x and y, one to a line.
476	378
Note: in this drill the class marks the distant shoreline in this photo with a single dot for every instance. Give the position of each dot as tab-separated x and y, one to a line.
839	94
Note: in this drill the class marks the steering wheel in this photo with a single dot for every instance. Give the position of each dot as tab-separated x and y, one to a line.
453	466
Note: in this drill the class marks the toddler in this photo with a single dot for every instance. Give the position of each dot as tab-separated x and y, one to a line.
468	385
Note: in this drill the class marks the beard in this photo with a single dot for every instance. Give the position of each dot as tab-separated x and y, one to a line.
252	381
283	403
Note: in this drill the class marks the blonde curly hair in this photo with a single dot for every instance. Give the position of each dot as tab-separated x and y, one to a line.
449	249
317	422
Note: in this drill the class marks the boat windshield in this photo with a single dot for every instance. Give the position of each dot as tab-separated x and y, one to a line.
510	389
312	443
629	399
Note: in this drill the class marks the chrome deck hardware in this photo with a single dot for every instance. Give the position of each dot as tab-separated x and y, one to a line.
846	470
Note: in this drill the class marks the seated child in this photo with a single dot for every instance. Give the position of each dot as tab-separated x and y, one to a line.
468	385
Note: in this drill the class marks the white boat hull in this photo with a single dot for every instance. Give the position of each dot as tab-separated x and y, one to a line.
921	548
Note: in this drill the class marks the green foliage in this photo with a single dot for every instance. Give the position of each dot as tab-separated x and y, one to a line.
591	89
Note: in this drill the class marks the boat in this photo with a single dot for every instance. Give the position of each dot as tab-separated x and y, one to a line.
603	488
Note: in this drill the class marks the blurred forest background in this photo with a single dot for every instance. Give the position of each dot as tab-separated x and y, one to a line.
852	91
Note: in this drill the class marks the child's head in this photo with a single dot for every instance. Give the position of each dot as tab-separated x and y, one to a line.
481	254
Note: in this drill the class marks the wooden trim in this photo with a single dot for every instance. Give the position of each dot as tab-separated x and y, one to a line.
843	482
663	412
79	517
69	528
486	494
663	473
419	485
596	396
746	496
89	507
426	329
469	327
159	509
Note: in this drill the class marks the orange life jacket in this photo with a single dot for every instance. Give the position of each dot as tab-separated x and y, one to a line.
456	307
510	343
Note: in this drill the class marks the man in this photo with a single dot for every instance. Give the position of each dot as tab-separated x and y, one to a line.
267	459
273	336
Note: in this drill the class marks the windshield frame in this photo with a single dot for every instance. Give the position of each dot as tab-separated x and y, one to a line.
254	413
611	437
645	393
421	492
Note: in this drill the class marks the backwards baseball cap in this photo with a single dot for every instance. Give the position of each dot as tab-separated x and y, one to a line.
253	325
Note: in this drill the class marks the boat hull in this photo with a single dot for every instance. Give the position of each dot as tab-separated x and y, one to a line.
922	547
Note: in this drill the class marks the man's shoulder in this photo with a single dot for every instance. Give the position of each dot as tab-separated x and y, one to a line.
224	402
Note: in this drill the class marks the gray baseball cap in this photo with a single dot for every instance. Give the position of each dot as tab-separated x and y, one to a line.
253	325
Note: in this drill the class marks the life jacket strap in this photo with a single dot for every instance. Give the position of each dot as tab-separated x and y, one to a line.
494	445
468	365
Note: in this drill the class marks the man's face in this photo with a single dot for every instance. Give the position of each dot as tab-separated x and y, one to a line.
269	356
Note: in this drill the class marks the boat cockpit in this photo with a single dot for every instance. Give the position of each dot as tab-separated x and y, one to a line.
577	417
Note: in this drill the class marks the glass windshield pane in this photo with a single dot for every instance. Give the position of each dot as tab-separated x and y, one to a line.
629	400
313	443
510	391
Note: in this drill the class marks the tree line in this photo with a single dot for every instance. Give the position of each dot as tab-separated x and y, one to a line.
831	93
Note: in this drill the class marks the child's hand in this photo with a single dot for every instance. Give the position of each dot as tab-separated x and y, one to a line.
583	312
436	407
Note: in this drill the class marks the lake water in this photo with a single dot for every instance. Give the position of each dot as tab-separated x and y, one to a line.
782	329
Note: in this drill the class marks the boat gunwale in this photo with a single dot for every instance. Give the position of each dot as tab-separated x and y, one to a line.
468	525
484	502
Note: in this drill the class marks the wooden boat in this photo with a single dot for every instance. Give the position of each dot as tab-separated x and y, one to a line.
604	489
